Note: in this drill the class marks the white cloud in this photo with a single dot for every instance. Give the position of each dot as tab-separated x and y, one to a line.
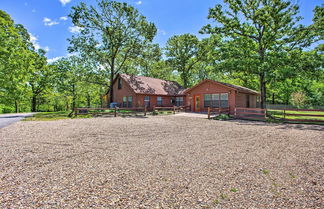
54	59
34	10
46	48
63	2
48	22
138	2
74	29
162	32
34	41
64	18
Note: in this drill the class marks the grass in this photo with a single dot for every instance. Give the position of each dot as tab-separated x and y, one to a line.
264	171
48	116
233	190
278	114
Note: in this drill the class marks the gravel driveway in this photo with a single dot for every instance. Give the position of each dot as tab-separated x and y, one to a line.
160	162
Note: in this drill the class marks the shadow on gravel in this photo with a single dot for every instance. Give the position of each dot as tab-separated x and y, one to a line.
11	116
282	125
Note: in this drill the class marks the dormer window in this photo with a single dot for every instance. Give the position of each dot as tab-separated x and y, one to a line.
119	83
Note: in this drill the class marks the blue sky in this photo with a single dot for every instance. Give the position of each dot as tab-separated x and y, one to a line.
46	19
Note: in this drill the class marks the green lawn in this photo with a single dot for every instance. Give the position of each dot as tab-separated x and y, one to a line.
47	116
279	114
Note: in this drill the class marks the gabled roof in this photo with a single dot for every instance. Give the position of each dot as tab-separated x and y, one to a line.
152	86
240	89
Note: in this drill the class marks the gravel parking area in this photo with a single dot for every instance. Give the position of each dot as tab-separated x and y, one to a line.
160	162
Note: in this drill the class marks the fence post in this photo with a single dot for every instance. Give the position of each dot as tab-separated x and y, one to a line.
219	110
115	112
235	112
76	112
145	110
284	114
208	112
174	109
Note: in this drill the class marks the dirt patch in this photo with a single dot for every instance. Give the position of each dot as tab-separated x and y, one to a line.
160	162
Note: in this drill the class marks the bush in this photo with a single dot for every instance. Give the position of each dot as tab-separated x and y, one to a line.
299	99
7	109
222	117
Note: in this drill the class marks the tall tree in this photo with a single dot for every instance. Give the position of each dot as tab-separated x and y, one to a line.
14	61
267	25
183	53
111	34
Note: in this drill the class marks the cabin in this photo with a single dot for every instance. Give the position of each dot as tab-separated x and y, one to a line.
139	91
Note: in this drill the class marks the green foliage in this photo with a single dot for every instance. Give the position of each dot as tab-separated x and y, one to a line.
298	99
256	44
222	117
257	34
183	52
112	34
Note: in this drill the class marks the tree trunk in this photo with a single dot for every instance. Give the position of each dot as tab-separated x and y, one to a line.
111	90
273	98
34	103
16	106
263	91
88	100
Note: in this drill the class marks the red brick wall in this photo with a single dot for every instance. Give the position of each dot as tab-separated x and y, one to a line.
241	100
166	101
209	87
124	91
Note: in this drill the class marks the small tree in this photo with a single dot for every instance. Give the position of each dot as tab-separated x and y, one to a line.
298	99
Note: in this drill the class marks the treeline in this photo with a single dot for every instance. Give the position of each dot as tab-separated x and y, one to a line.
257	44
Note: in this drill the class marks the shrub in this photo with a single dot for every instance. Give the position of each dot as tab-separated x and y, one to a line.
298	99
222	117
8	109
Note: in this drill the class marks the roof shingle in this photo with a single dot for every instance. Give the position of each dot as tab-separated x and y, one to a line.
153	86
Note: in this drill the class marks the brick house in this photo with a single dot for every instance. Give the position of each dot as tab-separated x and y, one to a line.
140	91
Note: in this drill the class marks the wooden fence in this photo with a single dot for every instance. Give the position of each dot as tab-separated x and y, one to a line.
250	113
218	111
302	113
174	109
94	111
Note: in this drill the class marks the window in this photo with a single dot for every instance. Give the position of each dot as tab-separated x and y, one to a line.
224	100
211	100
130	102
207	98
215	100
247	100
119	83
147	101
124	101
159	101
179	101
173	100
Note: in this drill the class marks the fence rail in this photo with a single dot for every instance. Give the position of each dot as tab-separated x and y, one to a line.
174	108
250	113
297	113
218	110
86	111
285	115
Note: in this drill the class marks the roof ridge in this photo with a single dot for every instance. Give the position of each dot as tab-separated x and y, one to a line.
151	78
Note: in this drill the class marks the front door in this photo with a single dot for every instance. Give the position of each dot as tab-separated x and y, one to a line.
197	103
